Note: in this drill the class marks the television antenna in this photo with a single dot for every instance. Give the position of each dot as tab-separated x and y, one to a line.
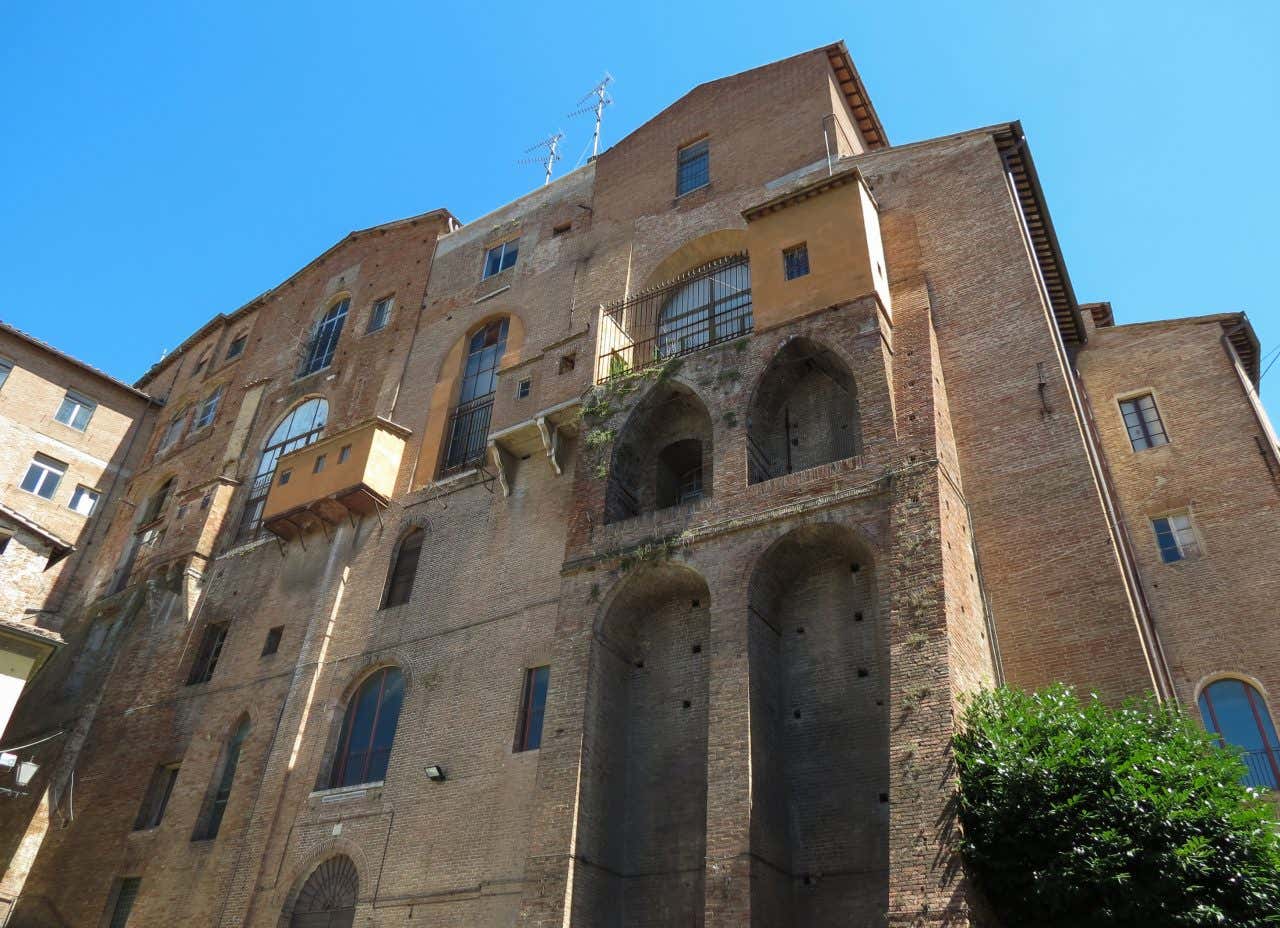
549	144
601	93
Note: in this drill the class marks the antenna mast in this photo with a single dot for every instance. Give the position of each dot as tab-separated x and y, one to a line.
603	99
550	143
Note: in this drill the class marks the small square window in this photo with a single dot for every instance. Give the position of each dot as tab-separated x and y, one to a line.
1143	423
522	389
380	316
84	500
795	261
272	644
693	167
319	465
1176	537
567	363
284	476
236	348
43	476
343	453
500	257
76	411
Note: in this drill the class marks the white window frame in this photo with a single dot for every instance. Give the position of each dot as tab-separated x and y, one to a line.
80	492
75	404
1182	528
207	410
47	466
173	431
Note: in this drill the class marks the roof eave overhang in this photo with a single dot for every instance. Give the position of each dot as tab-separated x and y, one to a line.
855	94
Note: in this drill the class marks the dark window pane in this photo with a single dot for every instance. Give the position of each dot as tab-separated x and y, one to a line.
125	896
369	729
529	736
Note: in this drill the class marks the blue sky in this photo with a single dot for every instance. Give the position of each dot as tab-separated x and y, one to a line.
167	161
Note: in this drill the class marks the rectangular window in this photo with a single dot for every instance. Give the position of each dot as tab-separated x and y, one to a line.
76	410
1142	420
319	465
500	257
157	797
173	431
84	500
5	367
203	360
693	167
125	894
795	261
236	348
208	409
1176	537
532	707
272	644
43	476
343	453
210	650
381	315
522	389
285	475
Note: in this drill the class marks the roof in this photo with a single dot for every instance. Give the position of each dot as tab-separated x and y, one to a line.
1236	328
855	94
224	318
805	190
75	362
43	635
35	528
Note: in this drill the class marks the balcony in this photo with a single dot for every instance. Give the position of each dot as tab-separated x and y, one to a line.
338	478
708	305
1262	769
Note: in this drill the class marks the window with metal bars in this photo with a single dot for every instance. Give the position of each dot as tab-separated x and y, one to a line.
122	902
469	423
795	261
1236	712
368	730
693	167
324	339
404	569
533	705
219	796
215	636
1142	421
303	425
157	797
1176	537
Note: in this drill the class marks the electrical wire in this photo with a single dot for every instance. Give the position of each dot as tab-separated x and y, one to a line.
31	744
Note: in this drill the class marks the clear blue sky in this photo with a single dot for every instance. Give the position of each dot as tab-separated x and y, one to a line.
163	162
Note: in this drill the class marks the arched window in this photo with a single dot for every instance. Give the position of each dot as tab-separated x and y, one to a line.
328	898
303	425
404	567
324	339
1235	712
215	804
714	306
368	729
469	425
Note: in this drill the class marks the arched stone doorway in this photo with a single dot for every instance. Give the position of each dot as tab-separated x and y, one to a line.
328	898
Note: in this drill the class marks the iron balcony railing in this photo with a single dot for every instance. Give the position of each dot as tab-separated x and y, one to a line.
709	305
1262	768
468	435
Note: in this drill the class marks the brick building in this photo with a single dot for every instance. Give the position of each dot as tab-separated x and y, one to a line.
621	557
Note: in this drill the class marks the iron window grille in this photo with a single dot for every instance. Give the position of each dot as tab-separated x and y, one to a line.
368	730
693	167
533	706
1142	421
324	340
303	426
709	305
500	257
1234	711
795	261
469	423
215	636
75	411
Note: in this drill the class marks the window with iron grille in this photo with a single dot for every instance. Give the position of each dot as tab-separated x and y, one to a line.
1236	712
303	425
219	795
76	411
122	904
795	261
208	409
500	257
215	636
43	476
368	730
1176	537
469	424
380	316
533	706
1142	420
404	570
157	797
324	339
693	167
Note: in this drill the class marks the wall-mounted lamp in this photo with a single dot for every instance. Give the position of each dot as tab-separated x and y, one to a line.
435	773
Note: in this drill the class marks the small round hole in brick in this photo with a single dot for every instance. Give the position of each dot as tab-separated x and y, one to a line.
688	704
697	649
808	880
640	665
854	568
857	617
800	630
797	713
862	671
884	797
696	603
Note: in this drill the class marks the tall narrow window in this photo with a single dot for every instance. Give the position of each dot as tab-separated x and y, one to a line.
122	903
693	167
1176	537
469	426
1142	420
500	257
532	707
215	636
208	409
404	568
43	476
220	788
324	339
157	798
1235	712
381	315
155	505
76	410
173	431
368	730
301	427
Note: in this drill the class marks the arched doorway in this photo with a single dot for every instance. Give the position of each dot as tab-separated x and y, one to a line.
328	898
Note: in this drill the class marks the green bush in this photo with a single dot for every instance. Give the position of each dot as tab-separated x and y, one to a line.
1075	814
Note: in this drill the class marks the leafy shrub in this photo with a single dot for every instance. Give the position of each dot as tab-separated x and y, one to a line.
1079	815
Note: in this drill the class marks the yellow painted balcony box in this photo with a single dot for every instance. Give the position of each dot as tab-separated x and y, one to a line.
338	478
